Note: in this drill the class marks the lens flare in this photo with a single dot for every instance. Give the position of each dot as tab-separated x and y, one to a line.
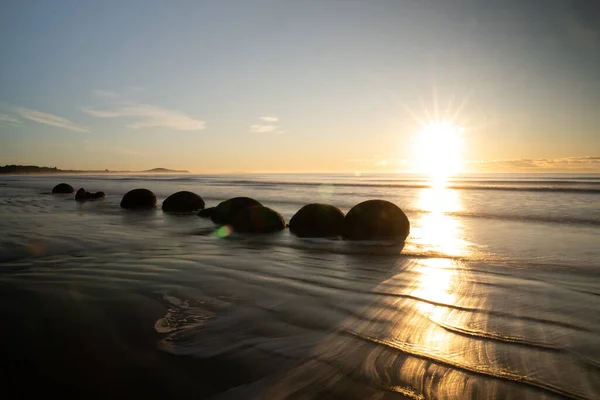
224	231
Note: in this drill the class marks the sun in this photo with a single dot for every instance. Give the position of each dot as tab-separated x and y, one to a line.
438	151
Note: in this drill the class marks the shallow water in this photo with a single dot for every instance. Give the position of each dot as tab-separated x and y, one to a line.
495	294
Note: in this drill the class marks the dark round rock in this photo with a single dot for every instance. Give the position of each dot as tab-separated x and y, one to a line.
226	210
82	195
62	188
207	212
375	219
139	198
317	220
183	202
257	219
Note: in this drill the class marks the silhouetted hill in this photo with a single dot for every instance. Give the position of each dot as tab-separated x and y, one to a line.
165	170
34	169
27	169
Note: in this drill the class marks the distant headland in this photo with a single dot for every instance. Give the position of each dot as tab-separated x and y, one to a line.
34	169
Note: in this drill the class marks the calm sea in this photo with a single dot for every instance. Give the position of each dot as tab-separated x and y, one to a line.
495	293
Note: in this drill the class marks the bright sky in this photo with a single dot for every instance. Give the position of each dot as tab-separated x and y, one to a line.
298	86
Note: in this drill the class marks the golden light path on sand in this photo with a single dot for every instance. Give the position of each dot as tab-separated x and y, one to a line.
426	331
398	343
433	327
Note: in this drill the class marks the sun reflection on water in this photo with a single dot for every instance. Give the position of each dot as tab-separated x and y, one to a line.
435	284
439	233
438	230
403	340
440	282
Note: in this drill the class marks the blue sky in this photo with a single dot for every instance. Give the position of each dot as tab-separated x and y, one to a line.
285	86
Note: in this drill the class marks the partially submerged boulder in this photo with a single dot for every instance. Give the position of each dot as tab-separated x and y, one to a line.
183	202
82	195
317	220
62	188
257	219
375	219
207	212
226	210
138	199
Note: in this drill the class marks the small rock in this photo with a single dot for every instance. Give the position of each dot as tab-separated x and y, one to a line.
62	188
82	195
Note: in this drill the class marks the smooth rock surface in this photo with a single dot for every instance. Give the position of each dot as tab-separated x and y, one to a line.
257	219
375	219
226	210
62	188
138	199
183	202
317	220
207	212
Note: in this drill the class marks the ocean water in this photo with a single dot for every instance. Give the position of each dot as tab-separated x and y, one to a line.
494	295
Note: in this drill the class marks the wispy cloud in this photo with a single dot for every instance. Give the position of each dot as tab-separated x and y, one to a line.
50	119
106	94
150	116
266	128
263	128
8	119
102	114
588	163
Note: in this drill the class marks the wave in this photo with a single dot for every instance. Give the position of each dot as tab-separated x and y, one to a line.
568	185
579	186
592	189
563	219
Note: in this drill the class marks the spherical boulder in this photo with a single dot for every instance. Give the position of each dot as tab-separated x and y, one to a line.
183	202
375	219
83	195
62	188
257	219
317	220
207	212
226	210
139	198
